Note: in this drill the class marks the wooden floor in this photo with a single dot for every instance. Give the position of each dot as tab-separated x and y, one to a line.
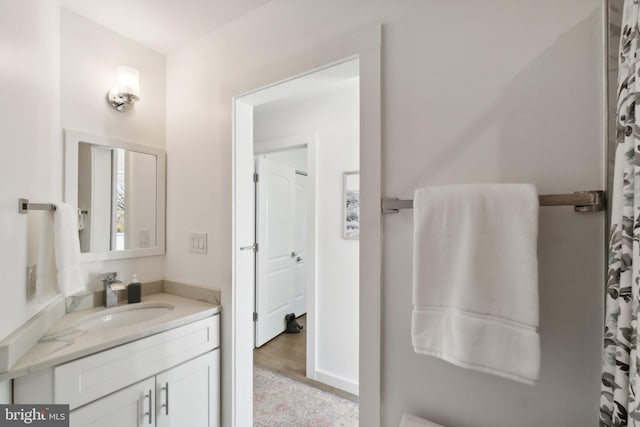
287	355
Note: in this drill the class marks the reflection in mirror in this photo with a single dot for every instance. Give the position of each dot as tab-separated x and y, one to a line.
116	198
119	190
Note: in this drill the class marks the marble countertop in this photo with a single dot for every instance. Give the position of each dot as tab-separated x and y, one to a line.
65	341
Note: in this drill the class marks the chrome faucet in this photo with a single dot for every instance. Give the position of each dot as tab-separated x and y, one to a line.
111	287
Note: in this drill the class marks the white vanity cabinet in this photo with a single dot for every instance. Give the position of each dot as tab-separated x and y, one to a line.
167	379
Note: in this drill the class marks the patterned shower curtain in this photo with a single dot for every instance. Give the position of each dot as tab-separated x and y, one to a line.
619	400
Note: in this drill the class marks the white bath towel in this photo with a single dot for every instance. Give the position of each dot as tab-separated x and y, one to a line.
67	247
475	278
411	421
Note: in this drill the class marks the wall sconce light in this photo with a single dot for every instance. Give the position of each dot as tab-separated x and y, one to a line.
123	97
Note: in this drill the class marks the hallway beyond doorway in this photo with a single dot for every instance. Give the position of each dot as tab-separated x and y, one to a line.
286	355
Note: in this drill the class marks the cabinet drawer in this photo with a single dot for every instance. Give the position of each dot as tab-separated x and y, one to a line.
92	377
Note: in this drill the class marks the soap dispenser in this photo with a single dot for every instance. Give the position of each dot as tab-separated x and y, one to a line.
134	290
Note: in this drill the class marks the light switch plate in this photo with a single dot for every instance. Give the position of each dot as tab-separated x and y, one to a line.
197	242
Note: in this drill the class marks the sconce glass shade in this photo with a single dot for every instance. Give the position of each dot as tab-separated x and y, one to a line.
123	97
129	81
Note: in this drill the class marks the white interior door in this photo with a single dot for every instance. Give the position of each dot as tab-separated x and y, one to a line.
300	238
275	260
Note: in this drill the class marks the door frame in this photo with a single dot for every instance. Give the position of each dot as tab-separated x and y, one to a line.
365	45
308	140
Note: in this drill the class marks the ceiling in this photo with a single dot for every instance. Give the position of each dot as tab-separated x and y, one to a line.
162	25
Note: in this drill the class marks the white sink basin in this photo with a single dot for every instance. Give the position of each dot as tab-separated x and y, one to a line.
125	315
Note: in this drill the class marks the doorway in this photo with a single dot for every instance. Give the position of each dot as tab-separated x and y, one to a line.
364	45
309	126
307	266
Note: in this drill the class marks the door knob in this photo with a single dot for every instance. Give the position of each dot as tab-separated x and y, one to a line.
293	254
299	259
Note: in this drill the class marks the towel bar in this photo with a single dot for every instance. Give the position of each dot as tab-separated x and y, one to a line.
24	206
582	201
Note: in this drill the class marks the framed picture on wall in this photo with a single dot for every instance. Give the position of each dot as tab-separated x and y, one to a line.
351	206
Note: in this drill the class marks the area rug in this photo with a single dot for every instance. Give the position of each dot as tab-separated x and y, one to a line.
279	401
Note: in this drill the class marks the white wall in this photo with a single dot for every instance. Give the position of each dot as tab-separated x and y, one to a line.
333	117
31	156
89	57
473	91
55	71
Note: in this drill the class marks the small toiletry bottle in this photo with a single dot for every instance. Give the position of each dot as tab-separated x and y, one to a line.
134	290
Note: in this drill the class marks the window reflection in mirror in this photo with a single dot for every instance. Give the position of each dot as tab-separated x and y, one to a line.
116	198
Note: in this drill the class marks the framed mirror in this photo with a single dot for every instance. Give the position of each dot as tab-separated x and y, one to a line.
119	191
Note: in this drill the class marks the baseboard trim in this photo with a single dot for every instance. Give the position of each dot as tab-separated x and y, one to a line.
337	382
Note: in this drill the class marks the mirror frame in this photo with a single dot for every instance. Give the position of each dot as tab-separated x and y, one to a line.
71	141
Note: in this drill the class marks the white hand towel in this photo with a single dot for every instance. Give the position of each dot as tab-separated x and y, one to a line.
411	421
40	253
475	278
67	247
